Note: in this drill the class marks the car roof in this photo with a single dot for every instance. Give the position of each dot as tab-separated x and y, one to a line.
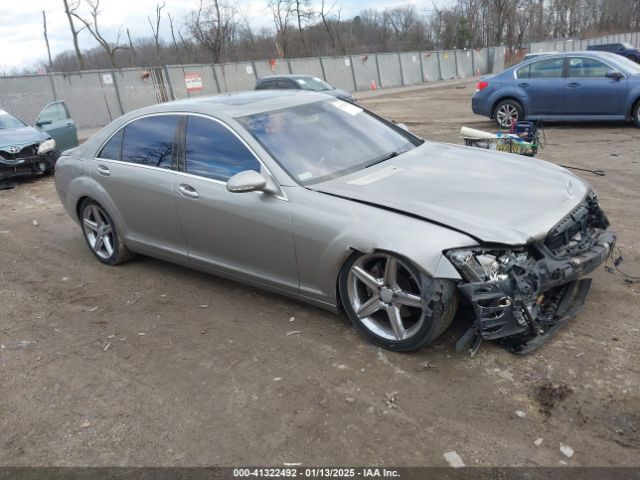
287	75
235	104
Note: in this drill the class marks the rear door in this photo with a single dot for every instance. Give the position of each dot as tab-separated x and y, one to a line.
590	92
136	168
56	121
541	85
239	233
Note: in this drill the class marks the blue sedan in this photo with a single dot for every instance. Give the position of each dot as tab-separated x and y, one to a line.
572	86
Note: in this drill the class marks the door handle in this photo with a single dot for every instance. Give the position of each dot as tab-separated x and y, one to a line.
69	124
188	191
523	85
573	85
102	170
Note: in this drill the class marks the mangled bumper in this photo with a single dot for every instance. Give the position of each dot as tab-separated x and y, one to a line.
531	306
26	166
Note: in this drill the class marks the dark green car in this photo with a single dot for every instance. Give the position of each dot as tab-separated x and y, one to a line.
27	150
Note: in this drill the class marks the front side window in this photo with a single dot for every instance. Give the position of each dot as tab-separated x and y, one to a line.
53	113
581	67
551	68
150	141
213	151
322	140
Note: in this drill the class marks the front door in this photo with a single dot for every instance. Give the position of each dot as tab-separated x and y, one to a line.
56	121
247	234
590	92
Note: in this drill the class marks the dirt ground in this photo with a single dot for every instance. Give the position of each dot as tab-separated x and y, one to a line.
154	364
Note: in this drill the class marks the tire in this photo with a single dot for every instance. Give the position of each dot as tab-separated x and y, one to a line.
49	169
507	112
100	233
394	305
635	113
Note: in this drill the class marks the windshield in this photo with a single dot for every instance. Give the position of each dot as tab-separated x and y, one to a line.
9	121
319	141
313	83
629	66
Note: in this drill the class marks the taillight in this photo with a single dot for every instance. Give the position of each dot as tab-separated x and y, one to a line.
481	85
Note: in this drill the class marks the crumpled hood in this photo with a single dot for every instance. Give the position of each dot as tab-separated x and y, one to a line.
20	136
494	197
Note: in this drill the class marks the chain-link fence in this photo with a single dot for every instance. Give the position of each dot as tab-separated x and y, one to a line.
96	97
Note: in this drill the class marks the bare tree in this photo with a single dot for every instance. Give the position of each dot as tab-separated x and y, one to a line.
282	11
304	13
213	26
92	25
46	39
156	29
69	9
131	48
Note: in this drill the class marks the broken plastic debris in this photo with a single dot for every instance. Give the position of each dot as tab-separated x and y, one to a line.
292	319
293	332
538	441
566	450
35	223
93	309
85	424
453	459
142	334
203	306
277	379
520	413
107	347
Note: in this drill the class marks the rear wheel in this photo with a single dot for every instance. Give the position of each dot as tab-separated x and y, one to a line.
101	235
507	113
394	305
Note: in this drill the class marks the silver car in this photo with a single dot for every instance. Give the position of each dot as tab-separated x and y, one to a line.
321	200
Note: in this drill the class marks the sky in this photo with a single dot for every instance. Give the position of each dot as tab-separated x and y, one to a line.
21	37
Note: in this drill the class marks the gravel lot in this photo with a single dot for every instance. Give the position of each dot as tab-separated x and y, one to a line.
153	364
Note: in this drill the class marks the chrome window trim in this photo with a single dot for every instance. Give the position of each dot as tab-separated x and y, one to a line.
281	196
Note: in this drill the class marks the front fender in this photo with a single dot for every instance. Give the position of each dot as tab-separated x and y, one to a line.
325	237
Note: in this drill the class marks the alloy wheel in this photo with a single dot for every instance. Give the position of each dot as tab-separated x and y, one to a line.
98	231
386	296
507	115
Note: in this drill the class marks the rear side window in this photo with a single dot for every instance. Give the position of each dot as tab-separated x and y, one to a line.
111	150
551	68
150	141
581	67
213	151
523	72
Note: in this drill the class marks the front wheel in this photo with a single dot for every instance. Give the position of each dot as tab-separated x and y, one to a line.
508	113
394	305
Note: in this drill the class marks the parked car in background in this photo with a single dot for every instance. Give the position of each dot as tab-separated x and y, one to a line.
625	49
570	86
324	201
302	82
27	150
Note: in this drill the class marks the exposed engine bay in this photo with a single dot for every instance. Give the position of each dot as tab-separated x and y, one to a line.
524	295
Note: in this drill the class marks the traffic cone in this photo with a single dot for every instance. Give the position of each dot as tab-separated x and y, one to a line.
373	85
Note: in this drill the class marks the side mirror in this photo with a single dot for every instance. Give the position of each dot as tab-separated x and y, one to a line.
247	181
43	122
616	75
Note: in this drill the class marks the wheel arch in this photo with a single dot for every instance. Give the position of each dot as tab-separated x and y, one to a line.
507	97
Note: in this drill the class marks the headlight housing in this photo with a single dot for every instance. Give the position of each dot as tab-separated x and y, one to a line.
46	146
485	265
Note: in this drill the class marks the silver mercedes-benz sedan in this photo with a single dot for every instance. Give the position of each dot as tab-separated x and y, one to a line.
319	199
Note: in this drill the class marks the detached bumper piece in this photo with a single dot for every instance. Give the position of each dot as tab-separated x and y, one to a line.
535	300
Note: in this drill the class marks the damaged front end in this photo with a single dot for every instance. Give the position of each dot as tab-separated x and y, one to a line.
26	160
523	295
